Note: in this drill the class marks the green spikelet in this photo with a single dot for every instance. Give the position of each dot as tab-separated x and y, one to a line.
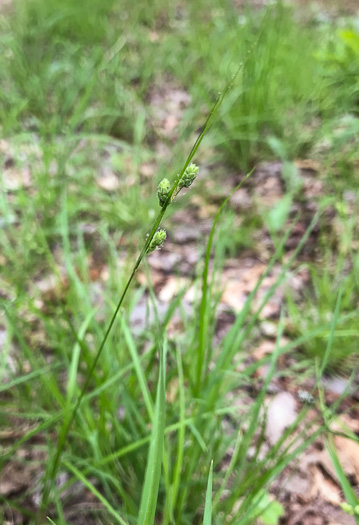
163	191
157	241
189	175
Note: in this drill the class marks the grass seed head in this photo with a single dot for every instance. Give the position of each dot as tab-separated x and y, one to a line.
189	175
163	191
157	241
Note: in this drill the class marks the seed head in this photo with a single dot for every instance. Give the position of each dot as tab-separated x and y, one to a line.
189	175
163	191
157	241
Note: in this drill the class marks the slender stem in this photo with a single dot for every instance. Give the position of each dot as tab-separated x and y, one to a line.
68	419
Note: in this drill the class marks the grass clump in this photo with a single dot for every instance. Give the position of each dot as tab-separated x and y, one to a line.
100	442
272	99
318	310
138	420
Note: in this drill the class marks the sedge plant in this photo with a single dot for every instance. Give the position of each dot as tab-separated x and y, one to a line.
154	241
193	438
166	193
193	433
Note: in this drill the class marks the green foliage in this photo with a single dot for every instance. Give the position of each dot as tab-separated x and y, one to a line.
68	69
271	97
319	309
105	446
352	503
146	514
272	510
76	83
207	518
341	58
277	217
65	19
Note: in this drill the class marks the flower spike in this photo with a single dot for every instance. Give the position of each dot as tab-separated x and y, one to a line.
189	175
157	241
163	191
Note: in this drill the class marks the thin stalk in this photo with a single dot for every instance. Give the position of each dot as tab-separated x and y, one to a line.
68	419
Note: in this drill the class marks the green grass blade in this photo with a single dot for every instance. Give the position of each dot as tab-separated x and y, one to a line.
73	368
236	339
171	428
150	488
96	493
255	410
29	377
230	340
203	312
181	431
350	495
48	381
230	469
332	334
138	368
207	518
